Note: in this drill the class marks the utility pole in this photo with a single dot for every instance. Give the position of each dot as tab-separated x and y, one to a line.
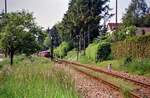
116	12
5	18
5	6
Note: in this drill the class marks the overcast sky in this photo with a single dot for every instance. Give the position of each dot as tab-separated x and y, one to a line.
49	12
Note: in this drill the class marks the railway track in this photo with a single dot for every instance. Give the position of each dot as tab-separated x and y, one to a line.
132	94
108	73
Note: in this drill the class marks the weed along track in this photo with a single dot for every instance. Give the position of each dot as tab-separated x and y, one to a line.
89	87
133	95
141	89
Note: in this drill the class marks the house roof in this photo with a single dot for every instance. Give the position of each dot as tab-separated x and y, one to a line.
113	26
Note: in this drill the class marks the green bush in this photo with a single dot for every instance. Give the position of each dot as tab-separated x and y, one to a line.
62	50
98	51
138	66
127	60
123	32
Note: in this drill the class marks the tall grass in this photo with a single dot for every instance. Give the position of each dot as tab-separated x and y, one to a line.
72	55
138	66
36	78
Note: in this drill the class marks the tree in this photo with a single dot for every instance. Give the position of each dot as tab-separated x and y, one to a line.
40	34
47	42
17	34
81	23
135	14
55	36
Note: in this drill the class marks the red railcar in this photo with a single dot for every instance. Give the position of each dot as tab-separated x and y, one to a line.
44	54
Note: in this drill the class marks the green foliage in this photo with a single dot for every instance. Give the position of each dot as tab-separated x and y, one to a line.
131	30
138	66
54	33
62	50
115	64
20	33
127	64
36	78
81	23
126	91
104	51
91	51
136	47
137	14
123	32
146	20
39	33
127	59
119	35
98	51
47	42
72	56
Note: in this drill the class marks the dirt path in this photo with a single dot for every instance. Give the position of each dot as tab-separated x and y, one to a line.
88	87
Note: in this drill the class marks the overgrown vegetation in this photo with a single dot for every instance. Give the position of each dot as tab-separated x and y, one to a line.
20	34
35	78
137	66
62	50
126	64
123	33
125	45
81	23
137	14
136	47
98	51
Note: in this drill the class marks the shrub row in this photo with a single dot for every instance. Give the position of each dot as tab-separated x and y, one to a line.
98	51
62	50
136	47
138	66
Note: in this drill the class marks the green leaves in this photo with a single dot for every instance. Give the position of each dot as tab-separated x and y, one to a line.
20	33
98	51
62	50
82	19
136	14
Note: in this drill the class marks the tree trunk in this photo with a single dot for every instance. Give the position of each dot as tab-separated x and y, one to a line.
80	41
78	45
84	46
11	56
88	36
5	52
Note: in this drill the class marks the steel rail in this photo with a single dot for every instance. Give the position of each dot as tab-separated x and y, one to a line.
108	73
132	94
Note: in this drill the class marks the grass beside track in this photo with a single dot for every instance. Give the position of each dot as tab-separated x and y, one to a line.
34	77
137	66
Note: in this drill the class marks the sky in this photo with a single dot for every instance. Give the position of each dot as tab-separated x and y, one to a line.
50	12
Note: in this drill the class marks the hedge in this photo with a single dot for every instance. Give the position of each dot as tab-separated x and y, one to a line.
98	51
136	47
62	50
